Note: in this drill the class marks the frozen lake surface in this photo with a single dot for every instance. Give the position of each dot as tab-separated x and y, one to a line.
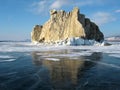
24	66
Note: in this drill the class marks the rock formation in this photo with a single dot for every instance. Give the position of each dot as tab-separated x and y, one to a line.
62	26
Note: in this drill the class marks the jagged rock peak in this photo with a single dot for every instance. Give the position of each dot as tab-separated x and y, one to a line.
62	25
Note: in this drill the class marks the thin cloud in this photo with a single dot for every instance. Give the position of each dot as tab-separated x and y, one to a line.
43	6
88	2
39	7
59	3
101	18
83	2
117	11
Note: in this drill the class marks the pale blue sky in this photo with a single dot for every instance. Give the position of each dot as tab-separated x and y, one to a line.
18	17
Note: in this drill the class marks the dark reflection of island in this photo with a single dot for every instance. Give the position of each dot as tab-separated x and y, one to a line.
65	72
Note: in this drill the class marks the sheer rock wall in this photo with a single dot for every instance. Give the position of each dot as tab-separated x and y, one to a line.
62	26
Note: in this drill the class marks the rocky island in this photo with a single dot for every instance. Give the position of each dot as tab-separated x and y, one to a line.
71	28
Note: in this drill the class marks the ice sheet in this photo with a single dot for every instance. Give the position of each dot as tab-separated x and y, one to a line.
28	47
105	64
115	55
5	56
52	59
7	60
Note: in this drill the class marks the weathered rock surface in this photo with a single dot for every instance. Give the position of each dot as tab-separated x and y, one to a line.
62	26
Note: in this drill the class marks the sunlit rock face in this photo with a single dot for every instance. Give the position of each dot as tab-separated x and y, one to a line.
63	26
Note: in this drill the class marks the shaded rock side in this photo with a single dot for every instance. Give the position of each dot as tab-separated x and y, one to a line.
62	26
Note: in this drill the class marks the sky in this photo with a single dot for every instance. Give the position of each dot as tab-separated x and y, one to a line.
18	17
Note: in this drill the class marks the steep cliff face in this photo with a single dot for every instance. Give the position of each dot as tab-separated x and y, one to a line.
61	26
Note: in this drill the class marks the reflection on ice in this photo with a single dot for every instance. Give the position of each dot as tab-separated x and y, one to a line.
53	59
64	72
